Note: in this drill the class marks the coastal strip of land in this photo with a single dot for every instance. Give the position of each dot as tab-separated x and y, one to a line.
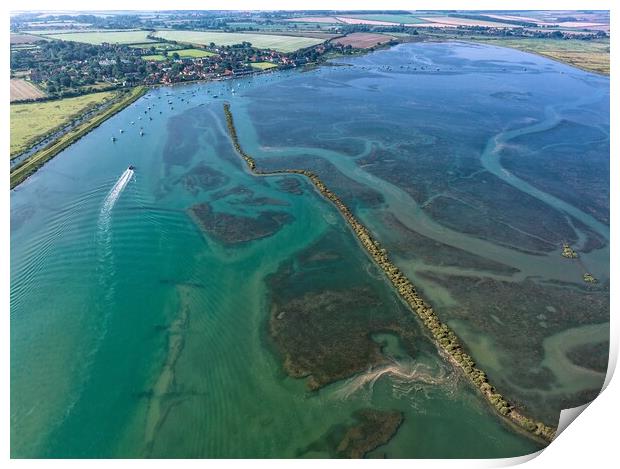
591	56
34	123
21	172
588	55
444	337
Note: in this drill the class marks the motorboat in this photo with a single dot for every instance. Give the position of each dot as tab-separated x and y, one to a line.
132	167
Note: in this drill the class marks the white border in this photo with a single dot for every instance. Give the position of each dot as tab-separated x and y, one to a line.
589	443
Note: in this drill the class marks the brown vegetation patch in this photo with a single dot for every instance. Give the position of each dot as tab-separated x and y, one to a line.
325	335
374	428
592	356
234	229
371	429
201	178
322	322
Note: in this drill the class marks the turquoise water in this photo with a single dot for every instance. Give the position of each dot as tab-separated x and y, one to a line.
134	333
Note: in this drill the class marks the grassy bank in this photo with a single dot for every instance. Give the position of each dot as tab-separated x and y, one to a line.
445	338
592	56
33	122
589	55
29	166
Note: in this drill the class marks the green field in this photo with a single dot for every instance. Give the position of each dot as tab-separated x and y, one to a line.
261	41
157	45
263	65
154	58
401	19
183	53
44	32
588	55
99	37
30	122
277	26
194	53
21	171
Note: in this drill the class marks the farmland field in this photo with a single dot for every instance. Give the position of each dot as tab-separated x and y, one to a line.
45	32
453	21
99	37
348	20
32	121
277	27
262	41
154	57
157	45
263	65
363	40
315	19
194	53
400	19
22	89
24	39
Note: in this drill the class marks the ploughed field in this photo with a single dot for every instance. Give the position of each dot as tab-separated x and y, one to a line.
236	315
363	40
22	89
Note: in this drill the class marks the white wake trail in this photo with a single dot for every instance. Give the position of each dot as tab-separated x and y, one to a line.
104	235
116	191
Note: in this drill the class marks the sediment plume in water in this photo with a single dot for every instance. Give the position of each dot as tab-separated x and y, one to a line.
445	338
406	376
